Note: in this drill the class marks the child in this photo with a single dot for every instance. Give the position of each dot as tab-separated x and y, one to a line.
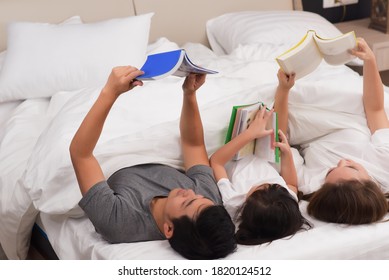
353	190
265	202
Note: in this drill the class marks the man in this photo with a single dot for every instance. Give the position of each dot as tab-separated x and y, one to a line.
153	201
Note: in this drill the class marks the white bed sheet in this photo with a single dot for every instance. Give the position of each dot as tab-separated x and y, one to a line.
151	115
74	238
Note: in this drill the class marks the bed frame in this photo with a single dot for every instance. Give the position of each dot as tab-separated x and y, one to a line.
187	25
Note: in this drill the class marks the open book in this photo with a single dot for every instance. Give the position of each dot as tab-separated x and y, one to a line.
175	63
306	56
263	147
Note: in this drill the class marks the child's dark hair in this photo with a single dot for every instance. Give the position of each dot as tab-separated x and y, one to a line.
268	214
349	202
210	236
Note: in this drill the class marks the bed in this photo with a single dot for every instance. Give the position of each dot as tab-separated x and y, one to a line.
41	108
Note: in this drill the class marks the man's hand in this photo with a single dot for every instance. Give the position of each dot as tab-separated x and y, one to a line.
122	79
193	82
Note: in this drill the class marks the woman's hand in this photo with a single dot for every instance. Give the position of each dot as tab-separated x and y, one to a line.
363	51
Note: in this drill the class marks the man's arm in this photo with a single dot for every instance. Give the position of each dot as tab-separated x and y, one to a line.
373	90
191	127
86	166
257	129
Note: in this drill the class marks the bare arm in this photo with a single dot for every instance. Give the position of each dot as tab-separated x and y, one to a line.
191	127
225	153
285	83
86	166
373	90
288	169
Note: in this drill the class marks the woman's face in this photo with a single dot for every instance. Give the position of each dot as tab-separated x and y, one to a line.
347	170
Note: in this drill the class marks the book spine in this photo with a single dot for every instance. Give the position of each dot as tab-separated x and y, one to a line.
276	150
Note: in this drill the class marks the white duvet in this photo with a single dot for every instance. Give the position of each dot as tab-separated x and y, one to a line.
36	174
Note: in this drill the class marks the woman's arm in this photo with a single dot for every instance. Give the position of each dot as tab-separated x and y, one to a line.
373	90
257	129
86	167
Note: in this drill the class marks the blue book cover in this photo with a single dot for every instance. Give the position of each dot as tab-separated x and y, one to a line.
175	62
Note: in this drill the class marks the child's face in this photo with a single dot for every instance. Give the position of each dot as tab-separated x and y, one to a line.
347	170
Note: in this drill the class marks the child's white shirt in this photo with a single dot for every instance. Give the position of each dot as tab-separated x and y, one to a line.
244	174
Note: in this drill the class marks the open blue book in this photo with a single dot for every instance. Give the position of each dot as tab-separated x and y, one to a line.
175	63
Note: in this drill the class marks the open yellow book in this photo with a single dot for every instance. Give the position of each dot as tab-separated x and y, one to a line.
306	56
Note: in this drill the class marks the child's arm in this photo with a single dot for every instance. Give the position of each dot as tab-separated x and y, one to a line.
288	170
285	83
373	90
225	153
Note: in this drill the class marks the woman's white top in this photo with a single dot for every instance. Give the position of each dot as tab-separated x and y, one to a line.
372	151
244	174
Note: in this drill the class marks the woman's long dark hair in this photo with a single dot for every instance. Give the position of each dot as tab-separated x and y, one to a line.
349	202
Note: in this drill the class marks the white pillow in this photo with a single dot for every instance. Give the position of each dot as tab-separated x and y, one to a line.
226	32
2	56
43	59
71	20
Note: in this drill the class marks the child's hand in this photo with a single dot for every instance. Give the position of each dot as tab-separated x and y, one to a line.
258	126
362	50
283	143
285	82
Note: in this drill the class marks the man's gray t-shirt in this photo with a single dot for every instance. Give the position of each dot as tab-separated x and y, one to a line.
119	208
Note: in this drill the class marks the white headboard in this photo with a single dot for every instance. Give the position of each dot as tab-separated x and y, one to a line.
184	20
179	20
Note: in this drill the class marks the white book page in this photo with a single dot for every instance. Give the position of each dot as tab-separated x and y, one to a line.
337	51
247	115
302	59
264	146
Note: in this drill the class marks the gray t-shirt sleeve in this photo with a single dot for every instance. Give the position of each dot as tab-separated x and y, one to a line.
106	212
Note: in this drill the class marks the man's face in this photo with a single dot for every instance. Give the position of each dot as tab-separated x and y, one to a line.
182	202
